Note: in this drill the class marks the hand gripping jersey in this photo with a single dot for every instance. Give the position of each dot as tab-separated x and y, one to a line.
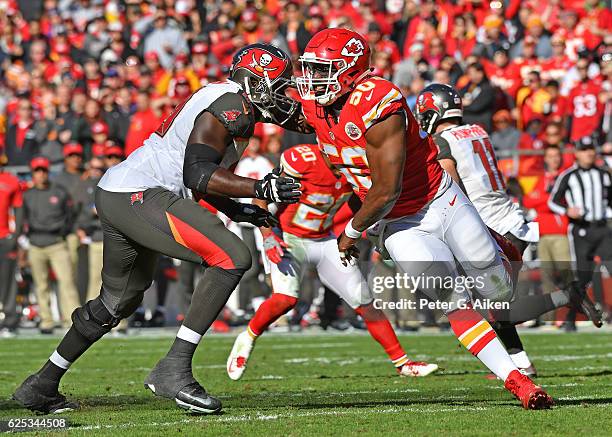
159	162
322	193
469	146
343	140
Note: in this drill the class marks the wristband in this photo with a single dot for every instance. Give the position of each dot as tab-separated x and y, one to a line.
351	232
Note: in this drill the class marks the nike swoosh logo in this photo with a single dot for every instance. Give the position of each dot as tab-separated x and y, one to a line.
452	202
370	96
293	158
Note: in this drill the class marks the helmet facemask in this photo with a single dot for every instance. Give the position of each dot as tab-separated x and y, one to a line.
270	97
319	79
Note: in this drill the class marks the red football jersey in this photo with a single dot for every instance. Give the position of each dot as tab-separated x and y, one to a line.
322	193
585	108
343	141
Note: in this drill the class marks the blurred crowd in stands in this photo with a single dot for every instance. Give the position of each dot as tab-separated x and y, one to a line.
84	82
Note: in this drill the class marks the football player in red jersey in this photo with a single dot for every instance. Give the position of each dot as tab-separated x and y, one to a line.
307	239
423	220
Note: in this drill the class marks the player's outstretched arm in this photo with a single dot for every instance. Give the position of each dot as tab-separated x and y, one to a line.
202	173
386	153
242	212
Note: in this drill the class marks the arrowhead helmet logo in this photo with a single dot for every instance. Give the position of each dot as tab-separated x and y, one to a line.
353	48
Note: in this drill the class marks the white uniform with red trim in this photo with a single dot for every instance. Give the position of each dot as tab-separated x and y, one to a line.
433	226
469	146
306	228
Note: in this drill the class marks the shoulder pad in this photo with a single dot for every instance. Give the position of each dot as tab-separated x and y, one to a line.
374	99
297	161
236	114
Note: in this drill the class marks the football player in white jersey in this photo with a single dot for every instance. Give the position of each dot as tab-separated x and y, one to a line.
145	208
466	153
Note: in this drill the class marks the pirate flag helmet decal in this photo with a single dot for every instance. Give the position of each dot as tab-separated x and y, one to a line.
265	73
435	103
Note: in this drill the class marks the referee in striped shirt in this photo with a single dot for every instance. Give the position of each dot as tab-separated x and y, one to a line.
583	193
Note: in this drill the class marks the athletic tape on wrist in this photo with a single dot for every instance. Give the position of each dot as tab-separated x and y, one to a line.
350	231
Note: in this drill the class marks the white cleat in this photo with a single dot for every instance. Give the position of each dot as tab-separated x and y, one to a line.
237	360
417	369
529	371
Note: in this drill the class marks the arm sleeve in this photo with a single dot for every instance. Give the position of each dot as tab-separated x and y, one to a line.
235	113
444	150
556	201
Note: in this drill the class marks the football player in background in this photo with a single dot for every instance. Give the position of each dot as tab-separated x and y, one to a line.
306	238
466	153
145	207
424	221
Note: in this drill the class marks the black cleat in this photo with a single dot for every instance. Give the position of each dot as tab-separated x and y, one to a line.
172	379
40	395
194	399
581	302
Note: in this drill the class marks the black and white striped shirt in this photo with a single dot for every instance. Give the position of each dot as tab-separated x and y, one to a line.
586	189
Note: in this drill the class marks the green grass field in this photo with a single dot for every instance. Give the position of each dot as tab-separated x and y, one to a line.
300	384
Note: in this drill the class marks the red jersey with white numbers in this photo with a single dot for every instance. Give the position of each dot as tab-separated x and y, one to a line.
322	193
585	108
342	139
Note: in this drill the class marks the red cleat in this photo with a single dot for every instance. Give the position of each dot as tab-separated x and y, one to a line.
532	396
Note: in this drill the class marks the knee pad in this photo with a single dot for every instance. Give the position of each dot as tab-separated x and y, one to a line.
241	257
93	320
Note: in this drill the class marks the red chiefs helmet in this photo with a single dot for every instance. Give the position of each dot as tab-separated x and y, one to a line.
333	61
265	74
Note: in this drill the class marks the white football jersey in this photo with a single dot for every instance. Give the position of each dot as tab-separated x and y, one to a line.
159	162
469	146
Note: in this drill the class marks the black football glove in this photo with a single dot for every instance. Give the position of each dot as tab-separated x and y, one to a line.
274	188
244	212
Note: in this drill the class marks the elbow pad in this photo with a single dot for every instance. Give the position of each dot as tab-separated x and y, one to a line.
201	161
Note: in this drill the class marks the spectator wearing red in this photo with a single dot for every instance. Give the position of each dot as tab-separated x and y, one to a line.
421	27
341	10
553	247
249	26
20	141
584	106
82	130
269	33
555	109
93	77
113	155
597	22
316	20
502	75
575	36
557	66
378	43
528	62
143	124
181	72
224	43
151	60
461	39
532	99
199	60
369	13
